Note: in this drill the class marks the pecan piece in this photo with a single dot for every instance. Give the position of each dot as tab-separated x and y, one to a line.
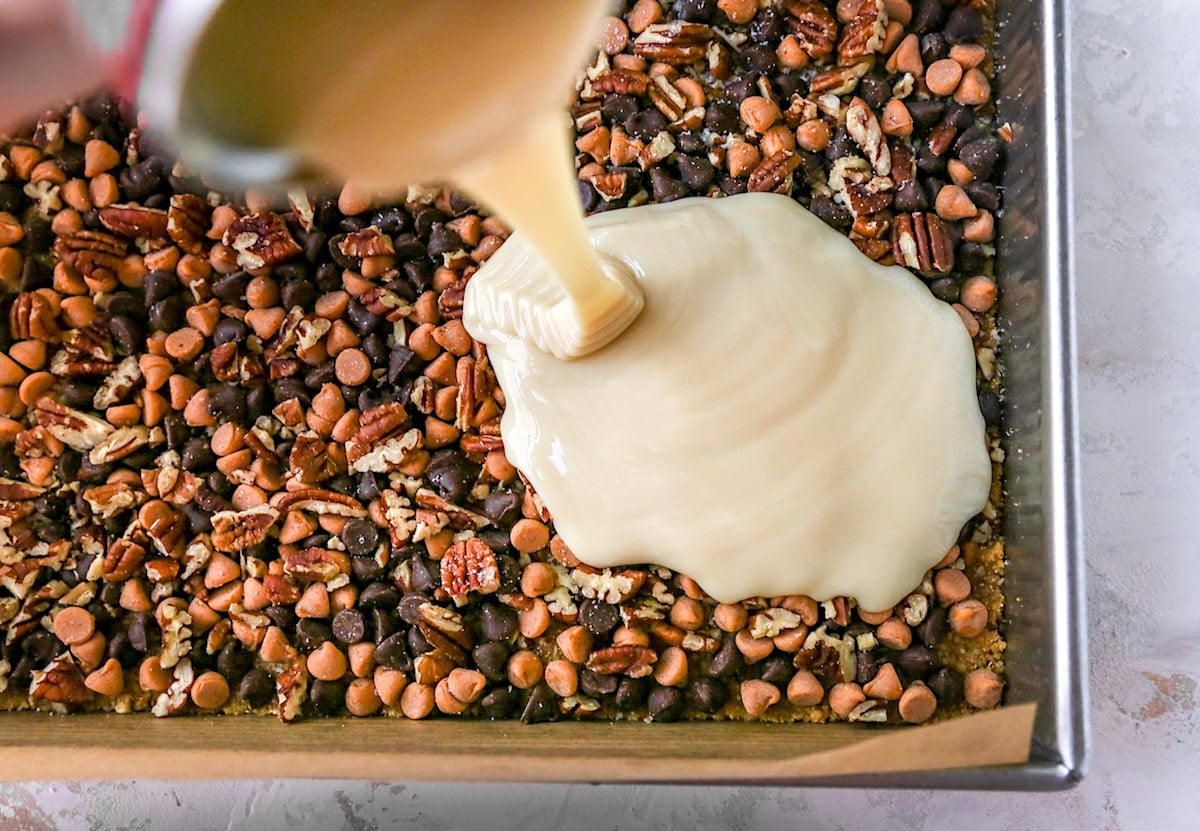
863	33
92	253
469	566
291	687
382	442
122	442
119	383
445	630
865	198
280	591
91	341
677	43
669	101
78	431
458	517
840	80
622	82
260	240
634	661
187	222
32	316
123	558
369	242
13	490
400	516
610	186
61	682
310	462
135	221
239	530
863	127
313	564
321	501
774	174
106	501
813	25
165	526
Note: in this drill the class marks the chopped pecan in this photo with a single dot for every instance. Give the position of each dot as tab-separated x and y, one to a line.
721	60
78	431
634	661
469	566
175	699
13	490
239	530
813	25
369	242
134	221
67	363
165	526
123	558
32	316
669	101
91	341
459	518
162	569
863	33
676	43
875	249
170	482
622	82
119	383
61	682
92	253
774	173
223	361
291	688
445	630
260	240
382	441
106	501
302	208
450	301
922	242
310	461
400	516
863	127
611	186
313	564
321	501
122	442
464	401
187	222
280	591
840	80
865	198
829	657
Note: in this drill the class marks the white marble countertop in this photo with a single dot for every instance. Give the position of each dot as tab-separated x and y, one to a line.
1137	174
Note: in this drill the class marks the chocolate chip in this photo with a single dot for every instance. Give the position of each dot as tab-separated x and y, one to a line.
594	684
727	660
379	595
866	666
542	706
665	703
443	240
401	361
830	212
127	334
945	289
645	124
311	633
327	697
916	661
707	695
875	90
417	642
933	47
498	622
451	474
228	401
665	188
491	658
934	627
767	26
12	198
927	16
234	661
910	197
760	57
926	113
696	172
964	26
947	685
230	330
141	180
360	536
159	285
695	11
722	117
499	703
392	652
256	688
167	315
349	626
739	89
422	575
502	506
990	407
197	455
616	108
282	616
777	669
599	617
384	624
981	157
985	195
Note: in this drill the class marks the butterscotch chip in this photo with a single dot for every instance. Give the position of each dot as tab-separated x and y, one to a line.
210	690
74	625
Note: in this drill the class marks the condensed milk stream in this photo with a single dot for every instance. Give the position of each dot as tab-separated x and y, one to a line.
783	417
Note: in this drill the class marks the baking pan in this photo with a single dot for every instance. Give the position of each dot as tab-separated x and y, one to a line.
1046	660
